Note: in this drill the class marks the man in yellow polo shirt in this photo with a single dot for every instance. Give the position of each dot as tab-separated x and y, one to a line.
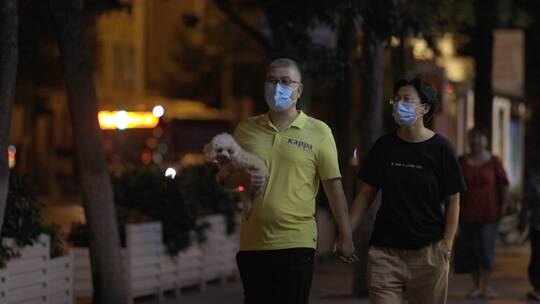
278	241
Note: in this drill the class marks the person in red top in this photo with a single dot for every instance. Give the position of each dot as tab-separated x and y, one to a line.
482	205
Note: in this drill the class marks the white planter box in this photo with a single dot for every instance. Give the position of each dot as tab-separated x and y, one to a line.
35	278
148	268
60	280
219	250
82	277
151	271
143	259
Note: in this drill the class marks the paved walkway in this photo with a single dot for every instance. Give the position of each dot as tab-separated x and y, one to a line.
333	280
332	284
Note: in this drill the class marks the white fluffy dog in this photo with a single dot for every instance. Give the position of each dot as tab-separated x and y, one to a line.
231	158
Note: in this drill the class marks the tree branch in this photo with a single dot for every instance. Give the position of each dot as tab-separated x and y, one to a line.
243	25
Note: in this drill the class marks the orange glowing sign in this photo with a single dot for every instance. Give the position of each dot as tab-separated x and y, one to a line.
122	120
11	156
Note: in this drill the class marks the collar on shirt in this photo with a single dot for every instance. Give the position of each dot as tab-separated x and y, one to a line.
298	122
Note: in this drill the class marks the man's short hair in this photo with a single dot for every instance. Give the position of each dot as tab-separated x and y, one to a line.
285	63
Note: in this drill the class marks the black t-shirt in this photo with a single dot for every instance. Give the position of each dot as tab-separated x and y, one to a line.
415	180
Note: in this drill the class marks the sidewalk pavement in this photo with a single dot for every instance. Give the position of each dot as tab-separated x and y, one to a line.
333	280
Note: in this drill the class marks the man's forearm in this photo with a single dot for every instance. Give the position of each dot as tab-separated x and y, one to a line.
452	219
338	205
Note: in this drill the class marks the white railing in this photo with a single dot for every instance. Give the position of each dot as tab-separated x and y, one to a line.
151	271
33	277
219	250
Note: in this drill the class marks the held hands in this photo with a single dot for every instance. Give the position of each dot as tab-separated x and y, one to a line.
345	250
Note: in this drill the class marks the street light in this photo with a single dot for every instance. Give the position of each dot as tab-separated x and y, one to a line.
170	172
158	111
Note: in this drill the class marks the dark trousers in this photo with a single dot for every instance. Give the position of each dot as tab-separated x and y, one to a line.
534	266
276	276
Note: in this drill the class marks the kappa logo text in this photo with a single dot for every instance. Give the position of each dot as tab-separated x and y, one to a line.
300	144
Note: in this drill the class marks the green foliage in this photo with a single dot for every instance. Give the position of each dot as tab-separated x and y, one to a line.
79	236
459	17
22	220
56	243
145	194
202	191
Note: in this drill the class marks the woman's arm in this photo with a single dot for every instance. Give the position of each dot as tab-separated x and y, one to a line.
452	220
361	204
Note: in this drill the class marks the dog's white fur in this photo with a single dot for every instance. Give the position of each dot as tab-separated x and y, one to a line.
230	157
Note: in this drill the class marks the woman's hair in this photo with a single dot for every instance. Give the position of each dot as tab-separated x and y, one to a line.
479	129
425	91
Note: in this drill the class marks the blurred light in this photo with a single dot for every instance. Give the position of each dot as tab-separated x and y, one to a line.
191	159
157	158
395	41
421	49
126	120
446	46
450	89
122	120
355	160
170	172
12	152
146	157
157	132
162	148
240	189
151	143
158	111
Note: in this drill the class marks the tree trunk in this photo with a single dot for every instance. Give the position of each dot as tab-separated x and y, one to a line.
370	128
8	74
532	78
97	192
343	111
483	62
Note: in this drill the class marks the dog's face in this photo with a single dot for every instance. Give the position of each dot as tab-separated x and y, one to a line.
221	149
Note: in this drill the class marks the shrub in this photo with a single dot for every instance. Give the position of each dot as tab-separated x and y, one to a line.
22	220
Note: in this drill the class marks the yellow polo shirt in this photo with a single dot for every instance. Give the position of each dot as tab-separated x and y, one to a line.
283	215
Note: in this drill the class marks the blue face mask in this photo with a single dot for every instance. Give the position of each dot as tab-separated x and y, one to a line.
279	97
405	113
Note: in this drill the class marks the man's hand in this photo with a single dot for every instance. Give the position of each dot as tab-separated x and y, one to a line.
344	249
257	179
231	179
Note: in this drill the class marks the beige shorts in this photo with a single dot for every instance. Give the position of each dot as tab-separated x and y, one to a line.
419	276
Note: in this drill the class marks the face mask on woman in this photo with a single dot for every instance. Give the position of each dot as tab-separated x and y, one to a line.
405	113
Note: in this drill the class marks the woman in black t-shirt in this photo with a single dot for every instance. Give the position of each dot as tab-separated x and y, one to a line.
419	177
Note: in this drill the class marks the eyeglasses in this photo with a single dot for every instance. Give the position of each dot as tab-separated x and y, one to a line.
283	81
406	98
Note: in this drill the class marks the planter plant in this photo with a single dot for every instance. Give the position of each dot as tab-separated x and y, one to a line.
23	222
